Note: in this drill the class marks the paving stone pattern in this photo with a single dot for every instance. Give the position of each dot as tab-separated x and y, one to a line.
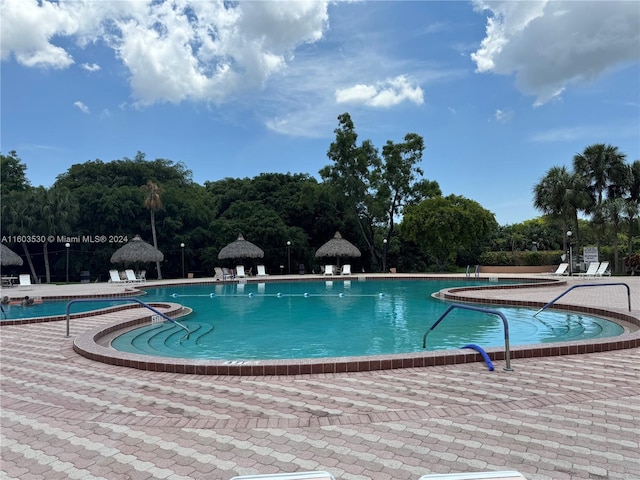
66	417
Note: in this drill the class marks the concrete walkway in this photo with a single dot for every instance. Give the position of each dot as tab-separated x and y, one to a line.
572	417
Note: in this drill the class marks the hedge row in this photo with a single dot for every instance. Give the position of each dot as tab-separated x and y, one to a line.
509	259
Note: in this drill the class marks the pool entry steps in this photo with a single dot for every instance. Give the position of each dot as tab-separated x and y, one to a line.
135	300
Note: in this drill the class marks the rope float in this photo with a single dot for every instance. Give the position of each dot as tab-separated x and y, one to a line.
277	295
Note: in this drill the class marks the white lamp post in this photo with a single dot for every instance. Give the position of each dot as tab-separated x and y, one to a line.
569	233
67	245
289	257
182	248
384	255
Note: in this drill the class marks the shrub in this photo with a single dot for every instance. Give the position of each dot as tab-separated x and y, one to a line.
528	258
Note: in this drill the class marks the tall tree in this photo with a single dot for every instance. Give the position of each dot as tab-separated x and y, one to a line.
12	174
600	166
377	189
614	210
445	226
632	209
562	195
153	202
19	215
57	211
16	202
603	171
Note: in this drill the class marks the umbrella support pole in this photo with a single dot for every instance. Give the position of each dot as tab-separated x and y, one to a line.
140	302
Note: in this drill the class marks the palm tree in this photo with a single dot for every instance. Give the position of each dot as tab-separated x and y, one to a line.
153	202
561	194
614	210
57	211
18	218
632	208
603	169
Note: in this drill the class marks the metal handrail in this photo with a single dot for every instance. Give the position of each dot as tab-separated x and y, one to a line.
587	285
157	312
507	353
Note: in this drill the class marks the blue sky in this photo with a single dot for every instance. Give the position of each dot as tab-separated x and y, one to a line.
500	91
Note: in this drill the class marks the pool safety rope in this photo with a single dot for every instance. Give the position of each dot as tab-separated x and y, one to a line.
277	295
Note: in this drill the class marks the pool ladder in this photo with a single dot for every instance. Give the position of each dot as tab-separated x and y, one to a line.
476	272
587	285
140	302
507	353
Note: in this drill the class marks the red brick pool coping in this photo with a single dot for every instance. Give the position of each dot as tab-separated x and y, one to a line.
88	345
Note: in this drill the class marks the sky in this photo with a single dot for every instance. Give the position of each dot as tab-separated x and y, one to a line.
500	91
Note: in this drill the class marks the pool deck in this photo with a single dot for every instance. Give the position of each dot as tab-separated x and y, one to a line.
564	417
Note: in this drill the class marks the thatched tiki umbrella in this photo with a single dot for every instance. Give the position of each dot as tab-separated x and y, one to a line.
240	248
9	257
137	251
338	247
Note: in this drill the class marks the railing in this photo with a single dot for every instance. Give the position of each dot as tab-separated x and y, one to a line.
507	353
157	312
587	285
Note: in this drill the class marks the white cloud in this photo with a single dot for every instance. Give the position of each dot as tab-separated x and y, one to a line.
174	50
550	45
81	106
94	67
587	133
384	94
27	29
503	116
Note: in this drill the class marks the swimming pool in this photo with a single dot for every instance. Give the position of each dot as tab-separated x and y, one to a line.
338	319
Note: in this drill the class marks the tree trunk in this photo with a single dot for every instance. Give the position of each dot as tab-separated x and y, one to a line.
47	270
26	254
155	240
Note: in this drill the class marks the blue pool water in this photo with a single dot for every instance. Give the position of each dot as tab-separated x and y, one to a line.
335	319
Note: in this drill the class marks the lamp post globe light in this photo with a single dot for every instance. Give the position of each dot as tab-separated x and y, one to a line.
289	257
67	245
384	255
182	249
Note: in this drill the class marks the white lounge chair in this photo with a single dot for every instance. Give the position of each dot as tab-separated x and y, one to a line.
240	271
318	475
562	269
219	275
131	276
261	271
506	475
591	271
328	269
25	280
114	277
346	269
603	270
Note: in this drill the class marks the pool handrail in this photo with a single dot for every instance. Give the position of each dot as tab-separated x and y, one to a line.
587	285
507	353
145	305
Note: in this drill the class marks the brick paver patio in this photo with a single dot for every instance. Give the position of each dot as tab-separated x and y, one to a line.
570	417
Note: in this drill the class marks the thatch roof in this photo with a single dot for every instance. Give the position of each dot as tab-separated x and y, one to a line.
338	247
241	248
137	251
9	257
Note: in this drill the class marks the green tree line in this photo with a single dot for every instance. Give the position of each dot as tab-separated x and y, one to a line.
377	199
